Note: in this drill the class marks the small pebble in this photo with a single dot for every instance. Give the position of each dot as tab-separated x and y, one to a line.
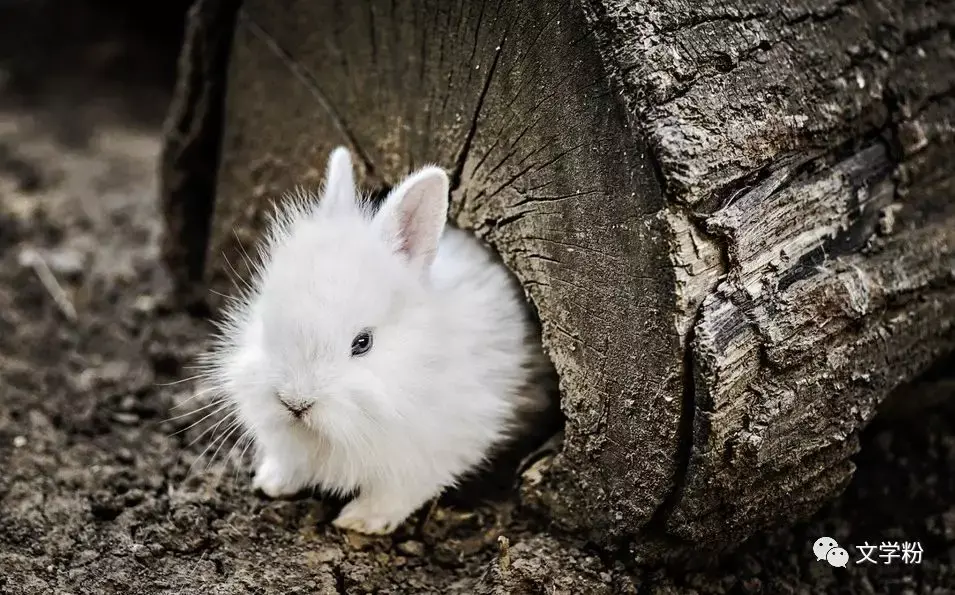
411	548
140	551
19	442
27	257
144	304
129	419
85	380
359	541
325	556
69	263
113	371
125	456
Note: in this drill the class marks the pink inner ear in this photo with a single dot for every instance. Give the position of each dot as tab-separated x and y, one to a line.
404	233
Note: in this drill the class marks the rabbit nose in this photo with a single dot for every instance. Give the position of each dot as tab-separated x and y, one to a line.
297	409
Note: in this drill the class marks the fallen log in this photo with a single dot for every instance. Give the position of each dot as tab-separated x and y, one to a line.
735	219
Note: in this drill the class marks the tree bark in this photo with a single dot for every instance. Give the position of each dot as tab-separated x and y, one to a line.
192	134
735	219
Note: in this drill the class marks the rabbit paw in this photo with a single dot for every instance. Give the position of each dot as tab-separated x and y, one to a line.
372	516
275	481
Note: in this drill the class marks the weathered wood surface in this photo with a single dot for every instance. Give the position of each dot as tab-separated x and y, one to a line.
736	219
809	145
192	132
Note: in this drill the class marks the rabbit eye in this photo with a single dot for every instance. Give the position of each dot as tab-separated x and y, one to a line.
361	343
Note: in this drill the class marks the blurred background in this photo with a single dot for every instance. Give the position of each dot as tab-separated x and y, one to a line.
121	47
89	341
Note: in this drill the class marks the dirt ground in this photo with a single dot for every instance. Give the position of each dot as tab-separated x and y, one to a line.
107	487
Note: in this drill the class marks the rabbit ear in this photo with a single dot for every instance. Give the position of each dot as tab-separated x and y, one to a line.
413	215
339	193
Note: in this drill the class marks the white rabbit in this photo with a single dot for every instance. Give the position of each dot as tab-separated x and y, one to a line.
377	352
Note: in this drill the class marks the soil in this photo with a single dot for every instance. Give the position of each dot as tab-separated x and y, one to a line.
106	484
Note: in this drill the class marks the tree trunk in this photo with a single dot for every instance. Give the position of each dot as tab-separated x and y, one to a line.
735	219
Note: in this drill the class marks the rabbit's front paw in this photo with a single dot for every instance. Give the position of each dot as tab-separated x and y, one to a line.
363	515
378	512
275	481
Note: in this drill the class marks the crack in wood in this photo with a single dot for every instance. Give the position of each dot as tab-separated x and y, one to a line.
309	81
462	157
